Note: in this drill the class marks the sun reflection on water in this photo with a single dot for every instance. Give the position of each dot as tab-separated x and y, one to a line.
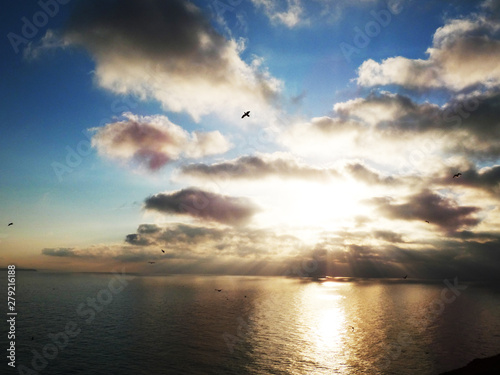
323	309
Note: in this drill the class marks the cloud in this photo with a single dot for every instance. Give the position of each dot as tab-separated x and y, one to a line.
486	178
168	51
260	166
154	141
100	253
427	205
290	17
203	205
387	110
60	252
464	54
242	250
369	176
203	240
393	128
309	13
470	257
233	250
92	252
388	236
381	128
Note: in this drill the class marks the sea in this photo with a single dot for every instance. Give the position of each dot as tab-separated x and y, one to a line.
114	323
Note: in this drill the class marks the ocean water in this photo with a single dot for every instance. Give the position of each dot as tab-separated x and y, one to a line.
112	324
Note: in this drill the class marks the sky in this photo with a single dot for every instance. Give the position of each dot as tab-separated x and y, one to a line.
122	136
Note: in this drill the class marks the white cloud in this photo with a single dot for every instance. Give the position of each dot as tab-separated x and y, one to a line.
168	51
290	17
464	53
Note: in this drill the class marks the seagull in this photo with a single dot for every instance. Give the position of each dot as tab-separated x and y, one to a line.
10	224
405	277
151	262
219	290
163	251
246	114
457	175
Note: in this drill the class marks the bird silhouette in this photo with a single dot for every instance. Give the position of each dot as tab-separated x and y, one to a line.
457	175
163	251
219	290
10	224
246	114
151	262
405	277
427	221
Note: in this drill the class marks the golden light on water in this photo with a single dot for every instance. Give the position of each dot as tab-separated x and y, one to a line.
323	312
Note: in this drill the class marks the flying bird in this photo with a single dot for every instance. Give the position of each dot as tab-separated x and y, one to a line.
427	221
219	290
405	277
10	224
163	251
151	262
246	114
457	175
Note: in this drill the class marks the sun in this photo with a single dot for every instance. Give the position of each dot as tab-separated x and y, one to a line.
313	207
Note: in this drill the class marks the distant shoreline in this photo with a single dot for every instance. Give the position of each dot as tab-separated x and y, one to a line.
478	366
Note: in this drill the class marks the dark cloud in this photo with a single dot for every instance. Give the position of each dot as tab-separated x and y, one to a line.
136	239
426	205
169	51
203	205
173	235
148	229
479	236
153	141
436	259
388	236
477	118
60	252
93	253
192	249
383	109
193	242
486	179
251	167
363	173
144	28
466	125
